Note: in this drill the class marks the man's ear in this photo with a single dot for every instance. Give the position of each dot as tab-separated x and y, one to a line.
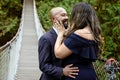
53	19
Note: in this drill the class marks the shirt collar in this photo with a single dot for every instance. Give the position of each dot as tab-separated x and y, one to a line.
55	30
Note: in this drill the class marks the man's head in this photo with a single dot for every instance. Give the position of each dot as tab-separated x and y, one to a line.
60	14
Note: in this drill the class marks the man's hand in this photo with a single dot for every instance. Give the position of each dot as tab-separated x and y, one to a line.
70	71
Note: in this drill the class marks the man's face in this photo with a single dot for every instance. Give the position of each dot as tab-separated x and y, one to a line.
62	16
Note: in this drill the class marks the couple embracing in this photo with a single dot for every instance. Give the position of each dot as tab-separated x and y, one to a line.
67	51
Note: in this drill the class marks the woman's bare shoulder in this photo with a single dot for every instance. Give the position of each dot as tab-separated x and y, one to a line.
85	34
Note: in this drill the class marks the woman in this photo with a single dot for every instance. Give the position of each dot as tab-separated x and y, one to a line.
81	44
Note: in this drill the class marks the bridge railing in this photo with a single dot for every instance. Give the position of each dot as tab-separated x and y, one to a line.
39	29
9	54
4	62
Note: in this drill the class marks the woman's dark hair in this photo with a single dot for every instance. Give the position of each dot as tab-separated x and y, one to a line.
82	15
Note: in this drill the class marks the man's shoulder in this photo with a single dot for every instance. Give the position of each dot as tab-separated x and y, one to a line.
47	35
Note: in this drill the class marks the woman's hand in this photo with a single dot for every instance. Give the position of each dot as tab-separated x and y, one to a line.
59	45
59	26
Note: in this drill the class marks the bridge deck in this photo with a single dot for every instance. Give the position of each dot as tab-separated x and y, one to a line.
28	61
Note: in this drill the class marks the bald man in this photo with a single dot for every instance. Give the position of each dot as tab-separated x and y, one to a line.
48	63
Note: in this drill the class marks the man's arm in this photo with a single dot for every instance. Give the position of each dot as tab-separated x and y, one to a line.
45	62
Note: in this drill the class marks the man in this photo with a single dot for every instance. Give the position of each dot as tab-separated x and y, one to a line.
48	63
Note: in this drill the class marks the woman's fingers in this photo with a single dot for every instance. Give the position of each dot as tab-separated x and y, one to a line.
59	27
59	23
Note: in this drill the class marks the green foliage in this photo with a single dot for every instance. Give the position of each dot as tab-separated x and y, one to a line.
6	27
108	12
10	14
8	31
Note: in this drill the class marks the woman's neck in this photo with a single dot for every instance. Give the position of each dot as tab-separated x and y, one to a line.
87	29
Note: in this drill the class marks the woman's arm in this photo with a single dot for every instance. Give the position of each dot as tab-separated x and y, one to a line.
61	51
